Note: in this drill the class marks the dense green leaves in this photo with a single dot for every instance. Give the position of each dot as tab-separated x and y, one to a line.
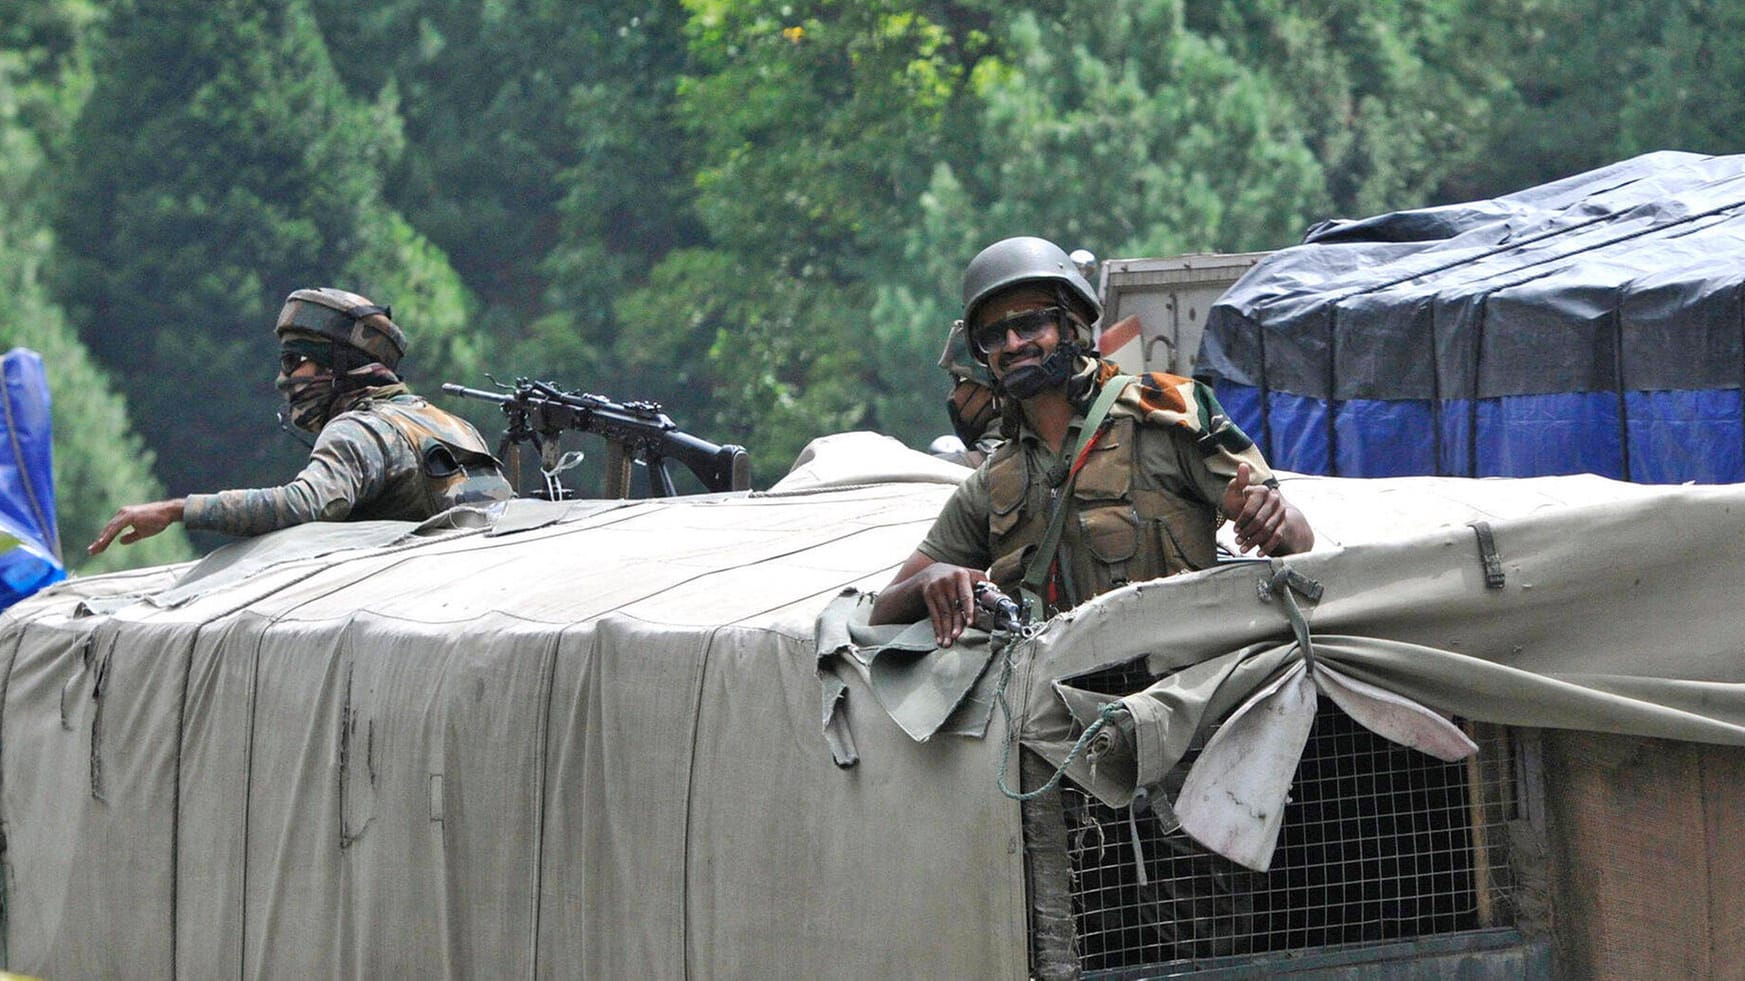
218	165
755	211
99	463
1590	83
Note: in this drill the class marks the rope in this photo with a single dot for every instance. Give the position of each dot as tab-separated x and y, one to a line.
1284	584
1106	714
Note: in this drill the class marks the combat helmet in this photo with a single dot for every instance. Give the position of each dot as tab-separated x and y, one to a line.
346	319
1027	259
960	362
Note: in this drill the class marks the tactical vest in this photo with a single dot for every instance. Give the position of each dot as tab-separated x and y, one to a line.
455	465
1130	527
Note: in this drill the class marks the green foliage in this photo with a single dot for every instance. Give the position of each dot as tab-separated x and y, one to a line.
1138	138
1684	95
814	127
218	165
748	343
482	90
540	157
755	211
1390	95
1594	83
100	464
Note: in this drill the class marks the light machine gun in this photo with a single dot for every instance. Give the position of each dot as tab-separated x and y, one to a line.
540	413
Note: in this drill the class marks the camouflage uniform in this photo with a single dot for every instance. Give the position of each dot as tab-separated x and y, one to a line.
1144	504
385	454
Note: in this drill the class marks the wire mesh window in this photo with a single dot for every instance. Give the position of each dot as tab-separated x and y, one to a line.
1379	843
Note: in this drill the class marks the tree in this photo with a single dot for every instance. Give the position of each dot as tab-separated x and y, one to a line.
1393	98
541	156
1679	100
218	165
1593	83
1111	127
99	462
813	126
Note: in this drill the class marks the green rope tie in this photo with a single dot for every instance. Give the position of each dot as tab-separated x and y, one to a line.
1106	714
1282	585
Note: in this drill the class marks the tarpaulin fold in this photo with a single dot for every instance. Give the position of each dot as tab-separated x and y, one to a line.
1612	618
926	690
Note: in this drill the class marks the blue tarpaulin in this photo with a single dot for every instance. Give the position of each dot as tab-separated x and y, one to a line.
30	546
1593	324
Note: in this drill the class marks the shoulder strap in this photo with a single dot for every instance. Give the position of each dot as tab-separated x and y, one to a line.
1036	573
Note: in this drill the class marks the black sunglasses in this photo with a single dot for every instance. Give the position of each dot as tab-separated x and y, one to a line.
1029	325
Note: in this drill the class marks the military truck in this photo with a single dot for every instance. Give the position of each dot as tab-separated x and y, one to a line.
1155	309
606	738
1486	728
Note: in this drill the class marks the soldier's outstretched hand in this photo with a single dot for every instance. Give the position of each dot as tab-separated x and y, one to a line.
143	520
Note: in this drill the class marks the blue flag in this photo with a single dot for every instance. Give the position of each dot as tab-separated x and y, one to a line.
30	544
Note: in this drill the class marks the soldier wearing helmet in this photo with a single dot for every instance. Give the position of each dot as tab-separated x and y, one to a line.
380	452
972	406
1103	479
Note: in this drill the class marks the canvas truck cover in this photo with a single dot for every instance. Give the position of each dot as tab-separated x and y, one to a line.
1592	324
590	737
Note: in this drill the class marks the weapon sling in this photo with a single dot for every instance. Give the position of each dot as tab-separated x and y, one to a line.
1036	573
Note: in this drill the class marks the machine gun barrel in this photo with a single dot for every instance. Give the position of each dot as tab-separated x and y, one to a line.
476	393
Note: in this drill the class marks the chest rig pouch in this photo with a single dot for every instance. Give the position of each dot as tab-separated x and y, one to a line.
1015	523
453	460
1129	526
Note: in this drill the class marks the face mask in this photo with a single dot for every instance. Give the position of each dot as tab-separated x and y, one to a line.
1027	381
309	399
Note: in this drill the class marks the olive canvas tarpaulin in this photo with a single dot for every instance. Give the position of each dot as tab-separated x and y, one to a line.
587	738
589	746
1585	604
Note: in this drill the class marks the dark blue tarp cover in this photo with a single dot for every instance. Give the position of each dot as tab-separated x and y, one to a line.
30	546
1588	325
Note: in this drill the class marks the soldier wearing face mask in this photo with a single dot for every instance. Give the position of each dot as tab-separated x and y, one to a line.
1103	479
380	452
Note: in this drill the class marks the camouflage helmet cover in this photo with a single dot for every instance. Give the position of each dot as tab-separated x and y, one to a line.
346	318
1025	259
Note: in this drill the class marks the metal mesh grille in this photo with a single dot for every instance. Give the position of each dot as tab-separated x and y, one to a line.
1379	843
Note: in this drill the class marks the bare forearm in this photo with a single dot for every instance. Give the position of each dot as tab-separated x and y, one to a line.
900	602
